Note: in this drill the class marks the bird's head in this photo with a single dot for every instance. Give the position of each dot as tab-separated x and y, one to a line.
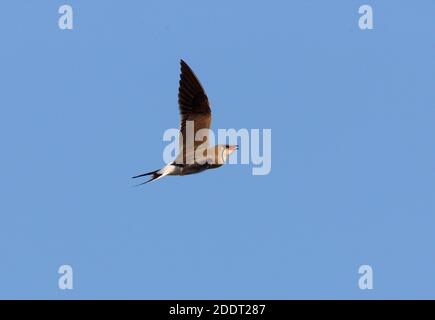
222	152
229	149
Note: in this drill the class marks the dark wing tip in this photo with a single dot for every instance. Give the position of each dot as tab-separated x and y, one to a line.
191	95
183	65
186	69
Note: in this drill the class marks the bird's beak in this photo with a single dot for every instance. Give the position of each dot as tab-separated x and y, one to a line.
236	147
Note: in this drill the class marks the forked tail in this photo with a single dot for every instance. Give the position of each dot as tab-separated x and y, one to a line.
154	176
168	169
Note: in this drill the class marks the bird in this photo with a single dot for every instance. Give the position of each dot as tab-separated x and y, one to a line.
195	113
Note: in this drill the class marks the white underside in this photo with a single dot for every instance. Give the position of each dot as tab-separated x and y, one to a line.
167	170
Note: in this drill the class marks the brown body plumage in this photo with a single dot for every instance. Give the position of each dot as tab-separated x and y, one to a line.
194	156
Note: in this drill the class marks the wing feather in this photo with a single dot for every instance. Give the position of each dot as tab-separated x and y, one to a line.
194	106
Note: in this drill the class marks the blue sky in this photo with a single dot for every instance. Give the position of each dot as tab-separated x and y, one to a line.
352	181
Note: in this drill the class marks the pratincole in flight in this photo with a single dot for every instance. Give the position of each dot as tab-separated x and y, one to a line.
194	156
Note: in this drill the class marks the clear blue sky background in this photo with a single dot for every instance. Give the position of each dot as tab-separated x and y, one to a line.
352	117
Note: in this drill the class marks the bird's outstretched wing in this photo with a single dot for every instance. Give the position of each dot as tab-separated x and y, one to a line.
194	107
